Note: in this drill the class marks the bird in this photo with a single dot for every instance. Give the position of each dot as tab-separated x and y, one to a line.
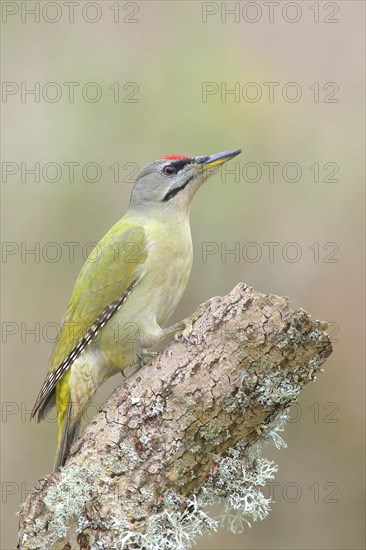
126	291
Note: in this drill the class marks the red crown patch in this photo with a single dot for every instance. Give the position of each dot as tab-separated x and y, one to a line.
175	157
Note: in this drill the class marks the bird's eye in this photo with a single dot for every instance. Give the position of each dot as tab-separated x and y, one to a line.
169	170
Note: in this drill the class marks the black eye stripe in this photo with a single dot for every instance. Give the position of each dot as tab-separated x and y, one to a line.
181	163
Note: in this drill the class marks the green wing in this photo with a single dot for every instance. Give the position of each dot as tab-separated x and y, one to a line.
108	275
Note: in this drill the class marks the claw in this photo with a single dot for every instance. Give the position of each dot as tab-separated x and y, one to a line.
184	332
186	338
183	329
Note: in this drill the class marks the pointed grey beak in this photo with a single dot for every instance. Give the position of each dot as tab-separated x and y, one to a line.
217	159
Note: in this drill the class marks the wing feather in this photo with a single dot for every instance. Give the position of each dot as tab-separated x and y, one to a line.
108	276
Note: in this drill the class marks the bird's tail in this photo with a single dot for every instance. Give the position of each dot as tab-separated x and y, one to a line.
66	436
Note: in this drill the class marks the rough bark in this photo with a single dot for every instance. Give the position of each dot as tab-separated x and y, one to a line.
180	434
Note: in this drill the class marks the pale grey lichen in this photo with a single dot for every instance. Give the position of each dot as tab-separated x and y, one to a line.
294	334
316	335
314	364
212	432
276	390
181	521
238	488
155	408
238	401
127	449
236	485
176	527
271	435
144	438
68	498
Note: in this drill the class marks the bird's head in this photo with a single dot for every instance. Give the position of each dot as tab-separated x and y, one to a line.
172	181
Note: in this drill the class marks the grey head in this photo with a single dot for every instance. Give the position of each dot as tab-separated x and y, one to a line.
172	181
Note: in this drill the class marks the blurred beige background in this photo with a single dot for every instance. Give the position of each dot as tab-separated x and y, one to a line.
161	54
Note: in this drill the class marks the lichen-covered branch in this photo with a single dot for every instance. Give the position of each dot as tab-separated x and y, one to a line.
184	433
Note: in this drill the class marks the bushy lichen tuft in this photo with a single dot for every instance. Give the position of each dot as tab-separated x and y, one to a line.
271	435
235	484
176	527
68	498
238	488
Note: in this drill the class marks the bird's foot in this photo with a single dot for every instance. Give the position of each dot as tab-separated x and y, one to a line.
143	358
180	330
183	329
146	356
